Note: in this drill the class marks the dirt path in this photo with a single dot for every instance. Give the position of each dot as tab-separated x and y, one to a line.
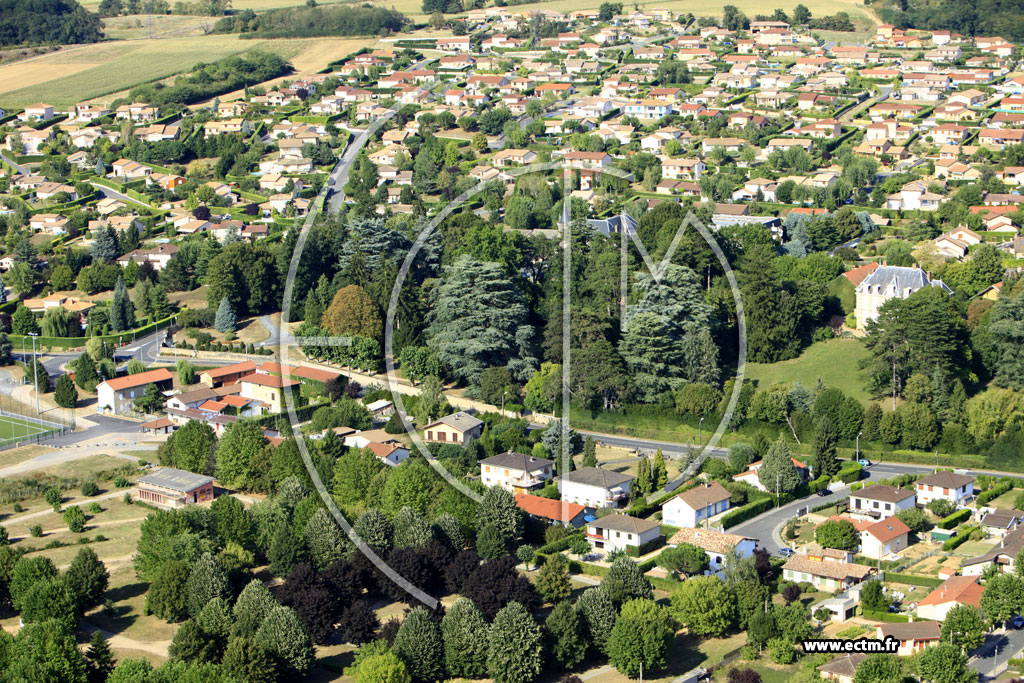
157	647
65	506
88	527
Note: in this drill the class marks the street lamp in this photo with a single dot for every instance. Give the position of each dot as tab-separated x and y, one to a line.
35	370
700	428
778	484
503	403
858	445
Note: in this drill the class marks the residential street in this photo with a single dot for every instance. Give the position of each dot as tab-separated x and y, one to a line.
990	659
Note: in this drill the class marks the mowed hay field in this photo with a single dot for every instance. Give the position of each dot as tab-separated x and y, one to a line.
92	71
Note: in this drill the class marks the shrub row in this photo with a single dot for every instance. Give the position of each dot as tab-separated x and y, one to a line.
885	616
955	519
849	472
559	545
999	489
958	540
748	511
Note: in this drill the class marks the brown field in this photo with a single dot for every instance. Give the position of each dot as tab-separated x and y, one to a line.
105	69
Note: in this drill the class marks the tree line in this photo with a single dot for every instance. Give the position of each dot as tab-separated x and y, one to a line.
344	20
42	22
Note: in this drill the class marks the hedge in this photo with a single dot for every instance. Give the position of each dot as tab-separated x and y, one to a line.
748	511
850	472
985	496
910	579
958	540
955	519
646	547
559	545
885	616
75	342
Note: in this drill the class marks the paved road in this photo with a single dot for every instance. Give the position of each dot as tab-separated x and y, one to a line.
20	169
339	176
114	194
990	659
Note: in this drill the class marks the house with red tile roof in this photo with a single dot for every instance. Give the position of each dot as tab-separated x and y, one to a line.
956	590
551	510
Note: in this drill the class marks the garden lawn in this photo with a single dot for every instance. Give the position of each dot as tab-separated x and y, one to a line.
835	362
128	595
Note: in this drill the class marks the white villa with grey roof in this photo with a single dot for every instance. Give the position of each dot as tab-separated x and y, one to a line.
890	282
595	487
516	472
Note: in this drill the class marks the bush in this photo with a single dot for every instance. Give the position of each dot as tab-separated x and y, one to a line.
850	472
90	489
127	498
856	487
121	481
955	519
748	511
36	530
95	509
994	492
959	539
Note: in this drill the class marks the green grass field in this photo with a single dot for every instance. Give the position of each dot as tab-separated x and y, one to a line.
13	429
834	361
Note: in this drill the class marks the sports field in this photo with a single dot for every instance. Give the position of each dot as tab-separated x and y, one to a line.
13	430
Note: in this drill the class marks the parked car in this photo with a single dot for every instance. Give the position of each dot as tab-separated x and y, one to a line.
787	552
1017	622
824	492
864	462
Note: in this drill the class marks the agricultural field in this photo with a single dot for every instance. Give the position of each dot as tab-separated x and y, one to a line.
92	71
834	362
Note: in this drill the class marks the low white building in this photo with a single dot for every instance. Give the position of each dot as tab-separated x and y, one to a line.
879	501
690	508
824	573
883	538
716	544
622	532
595	487
956	590
118	395
956	488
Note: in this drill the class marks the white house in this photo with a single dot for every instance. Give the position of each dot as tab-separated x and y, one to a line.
689	508
456	428
516	472
622	532
913	637
883	538
752	477
716	544
1002	556
391	454
956	488
956	590
118	394
824	573
880	501
594	487
889	282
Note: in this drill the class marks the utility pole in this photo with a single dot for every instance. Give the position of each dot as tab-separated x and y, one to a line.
700	433
778	484
35	371
858	444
